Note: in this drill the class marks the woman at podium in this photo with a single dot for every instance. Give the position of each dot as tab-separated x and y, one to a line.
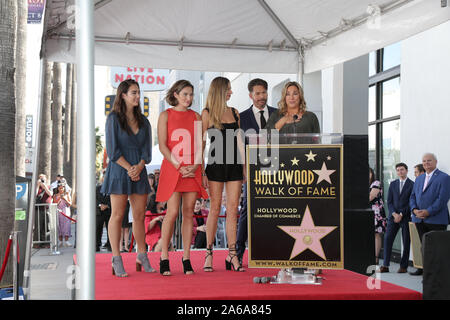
292	116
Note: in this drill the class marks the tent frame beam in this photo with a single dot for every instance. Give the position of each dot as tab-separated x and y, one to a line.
279	23
196	44
347	24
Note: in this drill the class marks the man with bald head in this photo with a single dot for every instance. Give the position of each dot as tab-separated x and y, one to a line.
429	199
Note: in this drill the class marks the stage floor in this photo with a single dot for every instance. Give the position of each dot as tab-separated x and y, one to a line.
227	285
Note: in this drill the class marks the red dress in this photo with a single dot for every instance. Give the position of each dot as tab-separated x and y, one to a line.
152	236
180	126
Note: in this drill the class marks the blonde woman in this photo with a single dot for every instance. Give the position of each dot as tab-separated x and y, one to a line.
292	116
220	120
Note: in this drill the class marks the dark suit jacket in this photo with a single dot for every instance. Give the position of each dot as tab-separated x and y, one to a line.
434	198
248	120
102	199
399	202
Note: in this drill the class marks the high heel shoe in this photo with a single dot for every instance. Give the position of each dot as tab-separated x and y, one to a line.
229	264
164	267
209	252
117	267
187	267
142	261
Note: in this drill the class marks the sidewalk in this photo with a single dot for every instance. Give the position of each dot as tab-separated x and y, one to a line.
49	274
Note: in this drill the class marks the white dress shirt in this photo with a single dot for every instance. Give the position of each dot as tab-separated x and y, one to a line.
401	184
427	178
257	114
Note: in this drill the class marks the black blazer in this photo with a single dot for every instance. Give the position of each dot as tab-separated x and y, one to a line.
399	202
102	199
248	120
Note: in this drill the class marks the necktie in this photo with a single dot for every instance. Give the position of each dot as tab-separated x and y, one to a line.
263	120
401	185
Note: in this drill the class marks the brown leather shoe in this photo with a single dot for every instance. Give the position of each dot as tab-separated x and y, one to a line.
402	270
384	269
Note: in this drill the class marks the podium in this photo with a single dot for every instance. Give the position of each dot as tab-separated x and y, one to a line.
295	204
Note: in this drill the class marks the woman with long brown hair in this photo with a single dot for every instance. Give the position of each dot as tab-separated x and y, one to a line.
217	119
292	116
181	170
129	148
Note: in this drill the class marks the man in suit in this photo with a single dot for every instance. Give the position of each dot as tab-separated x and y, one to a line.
103	214
253	119
399	217
429	199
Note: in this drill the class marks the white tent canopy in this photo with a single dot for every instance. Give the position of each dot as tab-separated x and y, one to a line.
240	36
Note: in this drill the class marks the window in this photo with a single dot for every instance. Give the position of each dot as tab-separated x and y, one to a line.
391	98
384	117
391	56
384	112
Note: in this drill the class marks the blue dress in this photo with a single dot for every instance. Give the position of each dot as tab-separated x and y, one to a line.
134	148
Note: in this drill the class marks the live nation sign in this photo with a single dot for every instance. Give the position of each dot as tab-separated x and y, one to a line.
149	79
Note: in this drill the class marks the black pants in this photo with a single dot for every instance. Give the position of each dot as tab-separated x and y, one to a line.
242	230
391	231
100	220
423	228
40	224
200	240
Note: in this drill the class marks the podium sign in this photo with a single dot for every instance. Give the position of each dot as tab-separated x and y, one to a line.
295	206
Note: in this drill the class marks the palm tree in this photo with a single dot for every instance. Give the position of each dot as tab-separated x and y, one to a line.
21	65
45	158
57	151
67	124
8	16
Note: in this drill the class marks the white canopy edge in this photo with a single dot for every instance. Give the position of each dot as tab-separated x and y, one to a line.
398	24
373	35
171	57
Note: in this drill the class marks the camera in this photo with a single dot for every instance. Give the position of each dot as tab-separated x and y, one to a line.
42	180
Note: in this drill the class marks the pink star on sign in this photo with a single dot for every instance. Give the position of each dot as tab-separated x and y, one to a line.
307	236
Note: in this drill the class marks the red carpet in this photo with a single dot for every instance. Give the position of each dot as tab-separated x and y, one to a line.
227	285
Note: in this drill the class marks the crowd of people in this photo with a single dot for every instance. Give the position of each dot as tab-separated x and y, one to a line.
185	180
423	202
60	193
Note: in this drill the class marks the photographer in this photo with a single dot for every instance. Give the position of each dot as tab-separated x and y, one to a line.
43	195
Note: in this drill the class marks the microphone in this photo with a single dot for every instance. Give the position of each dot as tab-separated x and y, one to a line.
295	117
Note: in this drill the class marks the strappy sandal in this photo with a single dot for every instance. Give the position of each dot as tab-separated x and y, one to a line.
209	252
232	254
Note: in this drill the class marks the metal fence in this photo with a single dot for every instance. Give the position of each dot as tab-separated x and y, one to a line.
46	226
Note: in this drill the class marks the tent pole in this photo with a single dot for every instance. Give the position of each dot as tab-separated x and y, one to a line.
85	270
301	65
32	202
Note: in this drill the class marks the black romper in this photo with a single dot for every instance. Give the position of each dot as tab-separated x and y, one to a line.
218	169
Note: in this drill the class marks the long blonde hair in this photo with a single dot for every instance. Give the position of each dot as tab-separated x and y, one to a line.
216	102
282	106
